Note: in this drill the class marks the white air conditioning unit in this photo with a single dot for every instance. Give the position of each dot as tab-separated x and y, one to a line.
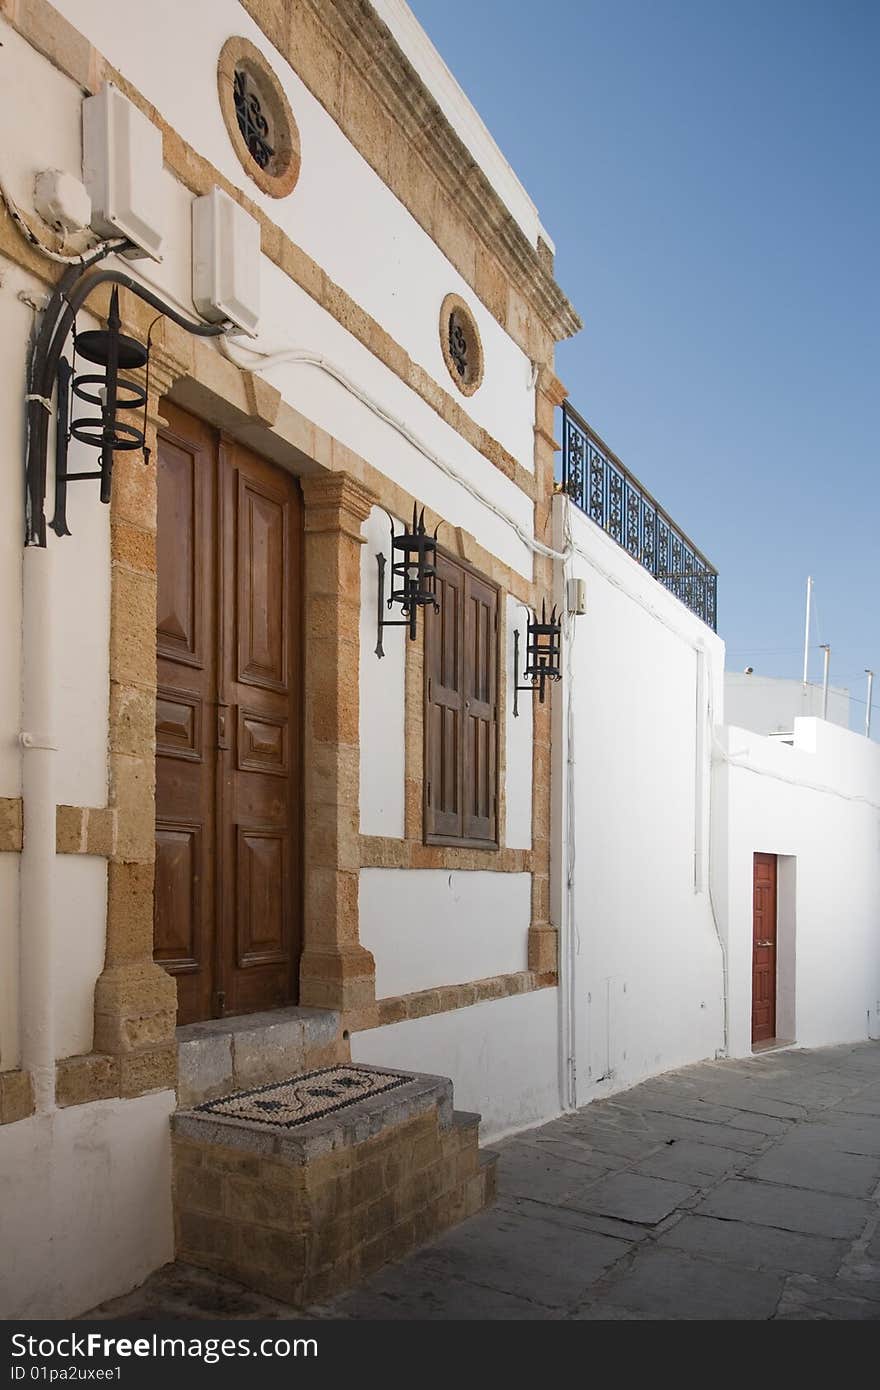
226	261
122	171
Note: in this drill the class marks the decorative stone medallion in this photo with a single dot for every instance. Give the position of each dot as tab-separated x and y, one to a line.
460	344
303	1098
258	117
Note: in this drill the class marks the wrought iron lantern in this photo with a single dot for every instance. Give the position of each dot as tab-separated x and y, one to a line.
112	350
413	576
543	653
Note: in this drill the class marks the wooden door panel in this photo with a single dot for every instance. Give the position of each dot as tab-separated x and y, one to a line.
181	542
179	850
228	754
764	905
260	662
186	690
263	564
262	743
179	724
263	897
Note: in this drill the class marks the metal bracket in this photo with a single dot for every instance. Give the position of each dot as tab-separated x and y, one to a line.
516	685
381	621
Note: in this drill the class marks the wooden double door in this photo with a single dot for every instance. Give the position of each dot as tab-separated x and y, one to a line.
228	903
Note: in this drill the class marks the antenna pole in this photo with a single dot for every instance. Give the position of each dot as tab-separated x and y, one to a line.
870	675
807	629
827	650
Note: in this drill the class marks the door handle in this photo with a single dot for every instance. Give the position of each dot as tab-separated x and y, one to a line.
765	943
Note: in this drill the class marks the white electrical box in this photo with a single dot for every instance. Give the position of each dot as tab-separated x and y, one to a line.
226	261
122	170
577	596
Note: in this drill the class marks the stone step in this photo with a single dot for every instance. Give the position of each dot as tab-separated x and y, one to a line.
231	1054
303	1208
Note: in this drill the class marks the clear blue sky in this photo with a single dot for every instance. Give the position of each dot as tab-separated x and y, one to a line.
710	173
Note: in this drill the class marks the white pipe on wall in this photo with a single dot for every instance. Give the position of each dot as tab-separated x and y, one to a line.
38	850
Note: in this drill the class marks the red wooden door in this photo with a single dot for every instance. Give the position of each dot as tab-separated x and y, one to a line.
764	949
228	875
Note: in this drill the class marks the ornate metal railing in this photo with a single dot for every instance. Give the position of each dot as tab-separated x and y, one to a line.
597	481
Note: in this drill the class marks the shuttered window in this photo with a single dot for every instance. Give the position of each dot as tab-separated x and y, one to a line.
461	732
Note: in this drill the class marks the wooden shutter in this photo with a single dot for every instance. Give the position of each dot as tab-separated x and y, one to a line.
461	657
480	677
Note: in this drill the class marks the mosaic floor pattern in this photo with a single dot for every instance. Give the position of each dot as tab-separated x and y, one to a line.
303	1098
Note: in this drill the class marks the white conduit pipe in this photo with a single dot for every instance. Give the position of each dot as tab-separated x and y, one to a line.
38	852
311	359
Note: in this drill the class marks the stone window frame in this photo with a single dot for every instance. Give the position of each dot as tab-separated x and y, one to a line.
238	53
454	304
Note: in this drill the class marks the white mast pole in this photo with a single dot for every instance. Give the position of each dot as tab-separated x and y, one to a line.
807	629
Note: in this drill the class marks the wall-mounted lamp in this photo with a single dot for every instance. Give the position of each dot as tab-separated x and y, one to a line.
413	576
543	654
108	348
112	350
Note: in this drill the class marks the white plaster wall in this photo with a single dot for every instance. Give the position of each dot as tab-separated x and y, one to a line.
85	1204
501	1056
640	950
340	211
382	711
518	737
430	927
819	803
291	317
768	704
17	320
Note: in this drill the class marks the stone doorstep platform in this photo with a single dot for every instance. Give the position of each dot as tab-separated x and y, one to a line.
232	1054
302	1213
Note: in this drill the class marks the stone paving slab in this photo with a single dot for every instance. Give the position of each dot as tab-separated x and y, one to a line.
573	1216
573	1149
789	1208
632	1197
527	1169
672	1284
523	1256
689	1161
438	1295
731	1189
755	1247
858	1134
803	1160
817	1299
725	1136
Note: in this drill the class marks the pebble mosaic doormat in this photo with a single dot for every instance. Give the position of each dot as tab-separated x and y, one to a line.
303	1098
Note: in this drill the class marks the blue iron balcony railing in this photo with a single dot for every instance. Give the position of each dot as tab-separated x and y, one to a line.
598	483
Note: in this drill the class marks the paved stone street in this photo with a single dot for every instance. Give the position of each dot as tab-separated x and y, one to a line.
746	1189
